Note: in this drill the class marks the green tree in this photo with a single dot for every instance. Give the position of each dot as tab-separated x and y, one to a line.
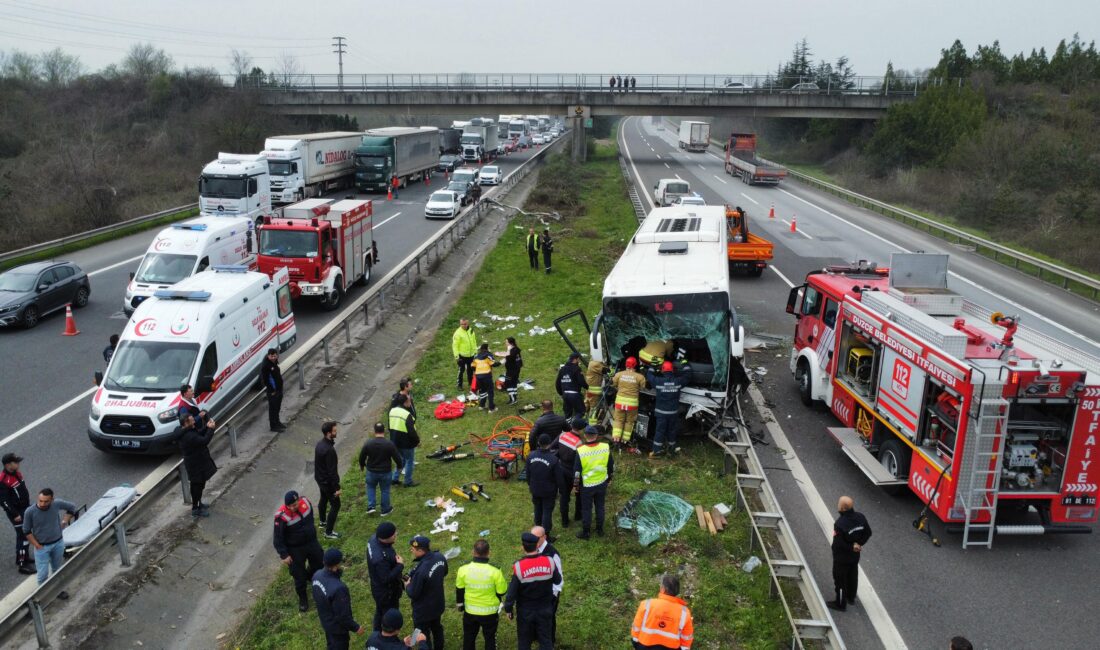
989	58
954	63
925	130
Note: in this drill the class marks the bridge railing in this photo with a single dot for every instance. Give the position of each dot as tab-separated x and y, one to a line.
574	82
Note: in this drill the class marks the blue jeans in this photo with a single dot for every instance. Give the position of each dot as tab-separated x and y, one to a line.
378	480
47	557
408	455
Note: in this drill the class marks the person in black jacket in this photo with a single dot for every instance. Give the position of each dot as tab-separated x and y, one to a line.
531	592
15	499
389	637
572	386
195	445
377	460
385	566
543	472
513	363
549	423
565	446
333	602
295	540
547	246
850	533
425	589
189	405
326	472
272	379
404	389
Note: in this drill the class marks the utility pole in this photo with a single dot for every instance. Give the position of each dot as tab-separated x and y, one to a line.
341	49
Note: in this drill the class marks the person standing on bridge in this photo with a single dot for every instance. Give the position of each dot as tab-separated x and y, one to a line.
633	83
16	498
533	243
850	533
272	379
547	246
611	83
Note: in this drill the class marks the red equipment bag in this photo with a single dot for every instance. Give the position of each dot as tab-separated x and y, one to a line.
449	410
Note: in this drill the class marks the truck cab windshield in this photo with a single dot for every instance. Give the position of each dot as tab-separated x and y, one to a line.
164	268
370	162
280	167
288	243
697	323
223	188
471	139
151	366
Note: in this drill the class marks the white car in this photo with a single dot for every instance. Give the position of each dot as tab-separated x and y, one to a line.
736	87
443	204
691	199
538	139
490	175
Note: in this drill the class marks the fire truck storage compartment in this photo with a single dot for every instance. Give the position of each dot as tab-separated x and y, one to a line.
1035	445
940	422
860	361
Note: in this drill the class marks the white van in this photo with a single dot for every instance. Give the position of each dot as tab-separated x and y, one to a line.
212	331
668	189
186	248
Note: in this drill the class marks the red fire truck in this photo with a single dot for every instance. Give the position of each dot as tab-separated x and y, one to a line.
970	410
326	246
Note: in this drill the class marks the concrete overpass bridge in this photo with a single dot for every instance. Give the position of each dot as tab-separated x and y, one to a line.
582	96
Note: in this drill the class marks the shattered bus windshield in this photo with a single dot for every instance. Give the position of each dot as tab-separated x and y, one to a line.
697	323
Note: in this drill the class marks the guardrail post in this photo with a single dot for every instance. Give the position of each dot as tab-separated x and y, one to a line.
39	624
406	276
347	332
185	485
123	548
324	346
366	313
301	376
233	442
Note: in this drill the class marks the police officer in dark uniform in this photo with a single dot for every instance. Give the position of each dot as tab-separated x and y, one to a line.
571	385
296	542
850	533
272	379
389	637
16	498
531	593
565	446
385	567
543	470
333	602
425	589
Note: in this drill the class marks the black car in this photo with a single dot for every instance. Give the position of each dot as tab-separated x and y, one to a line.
465	190
449	162
29	292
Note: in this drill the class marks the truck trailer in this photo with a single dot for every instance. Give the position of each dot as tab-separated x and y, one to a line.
408	153
742	162
450	141
991	424
694	136
308	165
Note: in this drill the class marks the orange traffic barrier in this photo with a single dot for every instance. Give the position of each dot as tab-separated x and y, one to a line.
771	212
794	224
70	322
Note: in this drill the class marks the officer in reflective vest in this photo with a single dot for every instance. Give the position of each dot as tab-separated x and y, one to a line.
592	472
628	385
479	587
533	248
406	439
295	540
566	447
664	621
594	376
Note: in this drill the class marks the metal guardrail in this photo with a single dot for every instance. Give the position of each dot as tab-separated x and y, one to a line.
171	472
88	234
1067	279
596	82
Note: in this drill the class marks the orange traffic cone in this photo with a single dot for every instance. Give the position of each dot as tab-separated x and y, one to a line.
771	212
794	223
70	322
427	179
446	176
389	193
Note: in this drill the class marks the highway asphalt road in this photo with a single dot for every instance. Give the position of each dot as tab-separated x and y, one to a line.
48	378
1026	590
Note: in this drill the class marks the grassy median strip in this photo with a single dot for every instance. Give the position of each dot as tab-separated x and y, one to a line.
604	577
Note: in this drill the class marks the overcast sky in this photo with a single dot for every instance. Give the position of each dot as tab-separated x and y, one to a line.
624	36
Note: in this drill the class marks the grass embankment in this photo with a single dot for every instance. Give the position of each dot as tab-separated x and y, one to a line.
605	577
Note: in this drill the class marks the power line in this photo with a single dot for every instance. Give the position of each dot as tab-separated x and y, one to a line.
341	49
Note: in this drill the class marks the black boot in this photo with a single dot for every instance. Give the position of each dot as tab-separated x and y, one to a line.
303	602
839	604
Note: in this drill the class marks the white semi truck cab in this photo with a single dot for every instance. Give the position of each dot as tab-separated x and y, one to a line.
236	184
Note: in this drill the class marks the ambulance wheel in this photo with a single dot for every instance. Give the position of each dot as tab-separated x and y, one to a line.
333	300
802	376
894	459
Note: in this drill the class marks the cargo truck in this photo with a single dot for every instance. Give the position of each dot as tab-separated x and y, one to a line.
741	162
409	153
746	251
517	128
450	141
694	136
325	246
236	184
479	140
657	122
307	165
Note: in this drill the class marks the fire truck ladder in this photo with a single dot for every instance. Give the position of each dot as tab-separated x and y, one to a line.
980	469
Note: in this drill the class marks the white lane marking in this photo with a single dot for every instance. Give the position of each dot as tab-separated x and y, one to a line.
678	177
796	229
972	283
637	176
658	155
717	178
750	198
719	158
115	265
666	165
781	276
388	220
47	416
884	625
701	167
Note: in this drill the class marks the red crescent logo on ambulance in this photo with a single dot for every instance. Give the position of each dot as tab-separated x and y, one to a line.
179	328
145	326
161	244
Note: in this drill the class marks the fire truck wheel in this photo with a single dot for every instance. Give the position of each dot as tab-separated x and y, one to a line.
802	376
333	300
365	279
894	457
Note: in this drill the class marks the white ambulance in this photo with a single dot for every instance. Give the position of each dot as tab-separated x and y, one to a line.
212	331
190	247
